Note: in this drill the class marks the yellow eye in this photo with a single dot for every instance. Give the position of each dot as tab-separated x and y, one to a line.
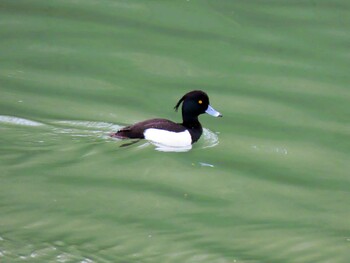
200	101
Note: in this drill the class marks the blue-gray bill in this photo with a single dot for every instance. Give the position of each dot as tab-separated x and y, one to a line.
211	111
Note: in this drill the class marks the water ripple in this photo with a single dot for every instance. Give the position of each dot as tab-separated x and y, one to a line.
18	121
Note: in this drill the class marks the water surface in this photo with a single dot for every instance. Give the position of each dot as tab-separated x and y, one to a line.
268	182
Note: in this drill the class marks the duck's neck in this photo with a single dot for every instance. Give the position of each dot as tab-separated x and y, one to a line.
191	122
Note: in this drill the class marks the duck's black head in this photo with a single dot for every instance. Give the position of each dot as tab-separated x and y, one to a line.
195	103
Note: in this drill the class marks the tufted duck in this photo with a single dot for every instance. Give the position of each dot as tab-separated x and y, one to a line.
169	133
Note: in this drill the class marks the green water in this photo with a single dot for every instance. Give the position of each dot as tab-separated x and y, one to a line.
268	182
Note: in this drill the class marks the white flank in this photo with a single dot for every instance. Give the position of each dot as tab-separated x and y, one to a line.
173	139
